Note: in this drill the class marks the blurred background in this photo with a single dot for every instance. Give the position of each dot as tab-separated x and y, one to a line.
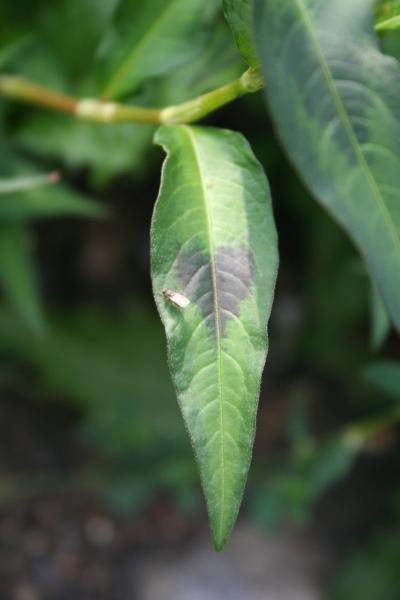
99	494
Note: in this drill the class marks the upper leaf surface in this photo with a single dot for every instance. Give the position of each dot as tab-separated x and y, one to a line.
150	38
334	98
214	241
239	17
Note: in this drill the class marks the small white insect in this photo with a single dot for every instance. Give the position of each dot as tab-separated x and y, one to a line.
175	298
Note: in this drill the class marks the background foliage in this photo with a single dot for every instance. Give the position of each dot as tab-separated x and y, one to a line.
78	328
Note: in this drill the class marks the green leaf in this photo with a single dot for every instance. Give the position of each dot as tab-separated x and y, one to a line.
8	52
239	17
218	64
95	360
111	149
380	324
371	569
48	201
107	149
386	376
151	38
388	24
86	22
334	99
388	16
17	276
214	242
21	184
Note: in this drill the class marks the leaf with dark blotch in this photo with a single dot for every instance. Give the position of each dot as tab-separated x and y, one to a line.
334	98
214	243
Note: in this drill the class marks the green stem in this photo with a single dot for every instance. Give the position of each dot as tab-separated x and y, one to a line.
25	91
199	107
113	112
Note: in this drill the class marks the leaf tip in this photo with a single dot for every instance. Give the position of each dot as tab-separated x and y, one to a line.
219	542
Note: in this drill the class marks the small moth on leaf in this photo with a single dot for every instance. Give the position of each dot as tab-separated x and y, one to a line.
175	298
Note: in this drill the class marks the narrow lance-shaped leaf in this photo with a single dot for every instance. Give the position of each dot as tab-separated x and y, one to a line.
334	98
214	263
239	16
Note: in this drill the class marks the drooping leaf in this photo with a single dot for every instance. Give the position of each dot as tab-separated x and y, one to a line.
214	243
151	38
239	17
334	99
17	276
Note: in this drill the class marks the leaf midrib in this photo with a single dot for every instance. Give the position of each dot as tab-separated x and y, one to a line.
346	123
216	315
109	90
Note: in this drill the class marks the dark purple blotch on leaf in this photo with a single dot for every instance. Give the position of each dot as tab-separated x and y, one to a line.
233	269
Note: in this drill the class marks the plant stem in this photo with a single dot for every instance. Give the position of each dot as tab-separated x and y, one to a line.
199	107
25	91
113	112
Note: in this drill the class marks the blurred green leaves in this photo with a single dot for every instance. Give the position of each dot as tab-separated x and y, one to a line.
150	38
388	15
380	324
108	151
22	198
86	23
20	184
113	370
17	275
372	570
289	488
385	375
239	16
